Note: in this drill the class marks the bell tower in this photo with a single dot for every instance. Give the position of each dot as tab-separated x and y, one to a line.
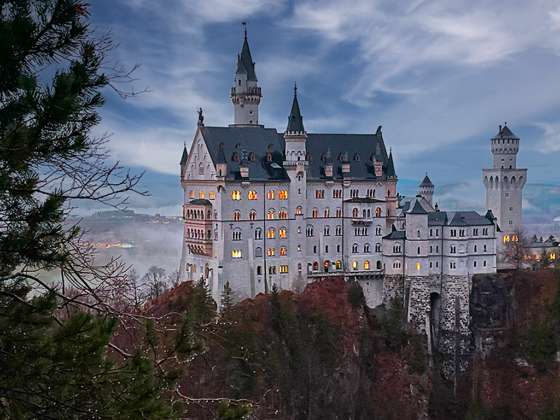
504	184
246	95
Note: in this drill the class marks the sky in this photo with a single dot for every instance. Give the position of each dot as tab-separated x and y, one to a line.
439	76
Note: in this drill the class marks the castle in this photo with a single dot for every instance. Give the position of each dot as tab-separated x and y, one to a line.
264	208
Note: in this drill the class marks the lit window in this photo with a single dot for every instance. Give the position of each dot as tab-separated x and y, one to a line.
552	256
298	210
236	215
236	253
283	269
299	248
299	229
252	195
378	212
366	265
270	252
506	239
339	265
354	212
270	194
283	251
252	215
326	213
191	194
236	195
314	214
201	194
283	195
418	266
514	238
212	195
282	233
270	214
270	233
355	265
282	214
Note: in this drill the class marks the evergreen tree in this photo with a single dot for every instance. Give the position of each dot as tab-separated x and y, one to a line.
227	297
204	305
540	240
544	259
534	239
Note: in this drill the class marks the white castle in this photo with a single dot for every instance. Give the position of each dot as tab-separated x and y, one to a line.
264	208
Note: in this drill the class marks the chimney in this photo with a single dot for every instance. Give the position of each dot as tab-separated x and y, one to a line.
500	129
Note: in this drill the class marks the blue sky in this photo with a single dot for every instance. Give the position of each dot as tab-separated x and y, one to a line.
439	77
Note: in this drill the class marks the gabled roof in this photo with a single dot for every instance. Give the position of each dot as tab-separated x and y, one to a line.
426	182
185	156
295	120
505	133
247	61
408	203
418	209
460	218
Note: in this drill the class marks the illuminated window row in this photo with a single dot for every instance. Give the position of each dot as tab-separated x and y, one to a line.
355	265
236	253
201	194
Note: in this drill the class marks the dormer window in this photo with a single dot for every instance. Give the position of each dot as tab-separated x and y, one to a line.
356	157
238	146
271	146
324	157
251	157
235	157
308	157
341	157
269	157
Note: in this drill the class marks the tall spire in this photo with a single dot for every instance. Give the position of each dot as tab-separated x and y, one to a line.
295	120
247	61
391	165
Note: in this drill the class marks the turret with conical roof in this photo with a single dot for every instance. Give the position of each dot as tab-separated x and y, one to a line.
426	189
391	166
295	120
184	160
246	95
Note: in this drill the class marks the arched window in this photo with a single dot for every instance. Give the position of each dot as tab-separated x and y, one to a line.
326	213
366	265
309	231
259	269
283	195
366	248
270	233
270	252
251	157
355	248
270	195
315	265
235	157
339	265
236	235
201	169
354	265
314	213
258	252
327	231
236	215
379	266
378	247
298	210
282	232
354	212
252	195
270	214
236	195
378	212
338	231
269	157
252	215
283	251
283	214
258	233
378	230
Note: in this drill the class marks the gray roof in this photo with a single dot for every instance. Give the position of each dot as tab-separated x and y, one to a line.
295	120
426	182
391	166
505	133
261	141
364	200
437	218
396	234
247	61
460	218
418	209
185	156
408	203
200	202
258	140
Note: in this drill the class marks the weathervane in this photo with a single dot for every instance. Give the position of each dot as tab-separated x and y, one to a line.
244	23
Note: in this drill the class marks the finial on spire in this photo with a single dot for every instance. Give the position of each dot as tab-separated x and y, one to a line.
295	88
244	23
505	123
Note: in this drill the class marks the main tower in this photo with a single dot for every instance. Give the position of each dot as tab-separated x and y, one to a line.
246	95
504	184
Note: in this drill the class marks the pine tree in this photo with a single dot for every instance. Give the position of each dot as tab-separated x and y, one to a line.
227	297
54	367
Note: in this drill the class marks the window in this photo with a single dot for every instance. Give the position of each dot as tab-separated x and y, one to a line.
475	232
338	248
437	248
431	264
191	194
418	266
315	265
282	214
484	248
370	193
327	231
437	232
453	249
453	233
354	212
354	193
431	249
236	235
299	229
366	248
283	251
397	249
272	269
309	231
475	248
396	264
355	248
484	263
326	249
270	233
283	195
319	193
258	233
452	265
270	252
378	212
235	157
338	231
252	215
236	253
282	233
378	231
259	269
418	250
212	195
339	265
462	233
236	215
437	264
505	238
326	213
252	195
315	249
314	213
337	193
431	232
258	252
283	269
377	247
236	195
485	231
201	194
270	214
474	264
355	265
270	195
299	266
366	265
510	222
251	155
299	248
298	210
338	213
